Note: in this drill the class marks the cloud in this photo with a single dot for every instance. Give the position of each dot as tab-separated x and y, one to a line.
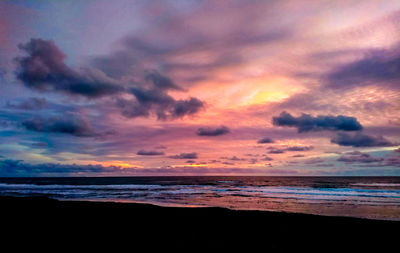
71	123
316	160
149	152
358	157
160	81
28	104
160	147
186	107
360	140
184	156
165	42
233	158
210	131
299	148
377	67
392	161
276	151
44	69
307	123
152	97
273	150
253	160
162	105
20	168
265	140
267	158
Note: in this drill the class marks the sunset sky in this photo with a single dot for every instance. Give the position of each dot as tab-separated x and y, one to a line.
175	87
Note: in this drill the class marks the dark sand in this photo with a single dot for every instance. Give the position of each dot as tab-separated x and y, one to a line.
39	223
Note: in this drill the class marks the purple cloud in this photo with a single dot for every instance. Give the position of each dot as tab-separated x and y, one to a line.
376	67
184	156
359	158
265	140
273	150
361	140
28	104
149	152
210	131
72	124
44	69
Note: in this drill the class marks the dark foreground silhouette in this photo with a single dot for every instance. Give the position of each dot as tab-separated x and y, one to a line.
39	223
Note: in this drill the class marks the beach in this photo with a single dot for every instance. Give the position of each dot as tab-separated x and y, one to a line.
40	222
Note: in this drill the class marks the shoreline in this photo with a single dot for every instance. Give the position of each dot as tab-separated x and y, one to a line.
182	227
174	205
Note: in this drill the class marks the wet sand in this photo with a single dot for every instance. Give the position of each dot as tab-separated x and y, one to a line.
39	223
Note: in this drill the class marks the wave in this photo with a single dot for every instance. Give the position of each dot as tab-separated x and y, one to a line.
377	184
187	191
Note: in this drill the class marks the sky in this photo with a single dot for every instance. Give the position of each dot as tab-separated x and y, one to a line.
159	88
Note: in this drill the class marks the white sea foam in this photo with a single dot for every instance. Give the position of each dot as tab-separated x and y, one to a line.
185	192
377	184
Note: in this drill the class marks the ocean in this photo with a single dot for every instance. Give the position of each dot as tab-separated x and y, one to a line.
363	197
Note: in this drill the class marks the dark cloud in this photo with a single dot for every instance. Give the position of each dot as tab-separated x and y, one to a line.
228	163
161	104
378	67
359	157
18	167
267	158
306	122
28	104
71	123
252	155
152	98
360	140
274	150
184	156
265	140
186	107
44	69
161	82
149	152
299	148
233	158
210	131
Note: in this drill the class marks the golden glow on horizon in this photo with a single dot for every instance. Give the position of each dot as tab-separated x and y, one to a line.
121	164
